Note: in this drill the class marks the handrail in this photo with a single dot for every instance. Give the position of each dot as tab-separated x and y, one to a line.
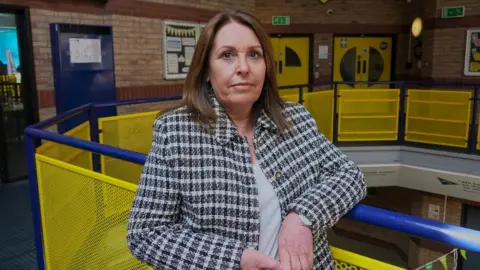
61	117
135	101
94	147
456	236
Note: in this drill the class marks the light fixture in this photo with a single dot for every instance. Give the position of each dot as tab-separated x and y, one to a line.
417	26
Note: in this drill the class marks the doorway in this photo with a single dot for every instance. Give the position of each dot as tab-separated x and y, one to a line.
362	59
292	61
18	97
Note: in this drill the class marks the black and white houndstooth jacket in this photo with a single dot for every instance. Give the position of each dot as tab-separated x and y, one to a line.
196	205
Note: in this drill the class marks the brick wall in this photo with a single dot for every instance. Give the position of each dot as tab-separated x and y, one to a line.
344	12
444	40
472	7
247	5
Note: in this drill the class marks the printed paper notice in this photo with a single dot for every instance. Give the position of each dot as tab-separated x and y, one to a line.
85	50
174	44
188	41
189	55
172	63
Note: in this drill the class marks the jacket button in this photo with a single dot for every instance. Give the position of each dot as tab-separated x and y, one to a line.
278	174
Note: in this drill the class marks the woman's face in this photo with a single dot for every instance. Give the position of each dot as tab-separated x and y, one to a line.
237	67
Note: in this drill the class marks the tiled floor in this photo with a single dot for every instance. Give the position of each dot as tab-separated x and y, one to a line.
17	247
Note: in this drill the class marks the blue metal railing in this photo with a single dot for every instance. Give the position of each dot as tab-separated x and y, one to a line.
460	237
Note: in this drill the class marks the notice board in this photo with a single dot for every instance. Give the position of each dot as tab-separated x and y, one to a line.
179	42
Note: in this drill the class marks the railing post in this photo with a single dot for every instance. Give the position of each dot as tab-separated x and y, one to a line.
335	113
34	200
94	137
402	114
472	138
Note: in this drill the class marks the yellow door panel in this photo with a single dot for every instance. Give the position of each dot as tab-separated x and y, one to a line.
364	59
292	62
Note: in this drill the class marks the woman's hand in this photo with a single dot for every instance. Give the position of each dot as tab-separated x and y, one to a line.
295	244
254	260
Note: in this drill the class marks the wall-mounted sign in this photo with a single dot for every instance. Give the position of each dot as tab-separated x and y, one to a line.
472	53
280	20
453	12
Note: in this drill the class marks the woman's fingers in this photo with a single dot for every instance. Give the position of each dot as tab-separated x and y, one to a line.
304	263
284	259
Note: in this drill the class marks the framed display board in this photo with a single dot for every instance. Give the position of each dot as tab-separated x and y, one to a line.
472	53
179	42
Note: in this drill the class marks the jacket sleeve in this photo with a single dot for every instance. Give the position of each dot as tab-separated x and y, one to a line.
341	184
155	233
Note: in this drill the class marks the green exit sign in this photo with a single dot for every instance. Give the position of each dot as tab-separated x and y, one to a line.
281	20
453	12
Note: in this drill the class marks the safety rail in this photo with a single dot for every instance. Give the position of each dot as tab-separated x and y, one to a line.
109	206
424	114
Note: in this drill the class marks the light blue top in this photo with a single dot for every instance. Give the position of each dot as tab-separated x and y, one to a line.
270	216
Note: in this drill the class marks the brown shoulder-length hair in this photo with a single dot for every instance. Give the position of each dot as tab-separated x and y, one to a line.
196	87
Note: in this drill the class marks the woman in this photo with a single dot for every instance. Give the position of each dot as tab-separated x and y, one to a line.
236	177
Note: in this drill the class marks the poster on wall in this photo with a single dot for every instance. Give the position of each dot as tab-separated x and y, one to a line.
472	53
179	41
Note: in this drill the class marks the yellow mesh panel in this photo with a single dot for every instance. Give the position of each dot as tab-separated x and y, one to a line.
368	115
320	105
339	265
69	154
346	260
438	117
132	132
77	232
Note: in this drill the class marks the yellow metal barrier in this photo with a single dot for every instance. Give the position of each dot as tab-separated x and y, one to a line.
320	105
77	233
345	260
439	117
80	232
132	132
368	115
69	154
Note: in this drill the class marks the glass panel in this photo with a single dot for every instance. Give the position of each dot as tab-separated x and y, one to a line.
347	66
376	66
